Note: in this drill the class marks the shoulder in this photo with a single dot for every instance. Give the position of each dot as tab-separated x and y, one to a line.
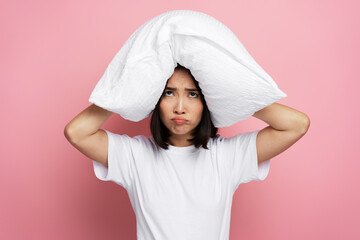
215	141
240	138
135	141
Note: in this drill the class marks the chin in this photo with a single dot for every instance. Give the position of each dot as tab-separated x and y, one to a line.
180	132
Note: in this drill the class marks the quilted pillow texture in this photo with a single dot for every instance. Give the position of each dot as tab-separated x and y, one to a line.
234	85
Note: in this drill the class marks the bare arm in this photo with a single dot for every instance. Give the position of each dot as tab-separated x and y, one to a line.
287	126
282	117
86	123
84	134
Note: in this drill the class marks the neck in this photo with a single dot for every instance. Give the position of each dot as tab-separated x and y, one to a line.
180	141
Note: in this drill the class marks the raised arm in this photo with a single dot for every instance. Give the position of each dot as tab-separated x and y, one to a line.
84	134
287	126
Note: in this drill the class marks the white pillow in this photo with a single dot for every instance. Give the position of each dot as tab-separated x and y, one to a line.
234	85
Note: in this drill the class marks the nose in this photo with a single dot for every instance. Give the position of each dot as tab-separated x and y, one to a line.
179	106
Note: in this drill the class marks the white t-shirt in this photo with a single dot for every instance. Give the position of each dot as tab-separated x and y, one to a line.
182	193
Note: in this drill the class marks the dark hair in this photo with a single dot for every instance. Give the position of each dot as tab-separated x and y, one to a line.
201	133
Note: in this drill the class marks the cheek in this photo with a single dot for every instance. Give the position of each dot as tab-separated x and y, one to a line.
162	109
199	110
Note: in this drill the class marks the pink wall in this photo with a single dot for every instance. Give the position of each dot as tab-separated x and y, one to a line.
54	52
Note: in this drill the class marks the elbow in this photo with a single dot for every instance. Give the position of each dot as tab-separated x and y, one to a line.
303	124
67	134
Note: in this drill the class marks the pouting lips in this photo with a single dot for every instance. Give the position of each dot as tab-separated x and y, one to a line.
179	121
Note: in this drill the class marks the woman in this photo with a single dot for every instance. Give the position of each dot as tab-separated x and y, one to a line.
181	180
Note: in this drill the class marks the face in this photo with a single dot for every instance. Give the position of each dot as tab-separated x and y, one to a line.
180	100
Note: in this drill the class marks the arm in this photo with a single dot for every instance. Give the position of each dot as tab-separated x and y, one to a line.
286	126
84	134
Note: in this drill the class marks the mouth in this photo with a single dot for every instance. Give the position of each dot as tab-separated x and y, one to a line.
179	120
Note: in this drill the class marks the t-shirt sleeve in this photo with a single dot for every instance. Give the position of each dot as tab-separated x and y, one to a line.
120	161
243	159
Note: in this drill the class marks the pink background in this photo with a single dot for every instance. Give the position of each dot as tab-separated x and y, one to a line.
54	52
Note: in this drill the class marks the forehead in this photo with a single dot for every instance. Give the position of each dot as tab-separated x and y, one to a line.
181	78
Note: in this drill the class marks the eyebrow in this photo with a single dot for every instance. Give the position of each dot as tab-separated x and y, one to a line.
187	89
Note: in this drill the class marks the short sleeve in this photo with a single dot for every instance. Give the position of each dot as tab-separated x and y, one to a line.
243	160
120	161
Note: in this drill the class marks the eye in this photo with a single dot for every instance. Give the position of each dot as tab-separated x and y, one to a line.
167	92
195	94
